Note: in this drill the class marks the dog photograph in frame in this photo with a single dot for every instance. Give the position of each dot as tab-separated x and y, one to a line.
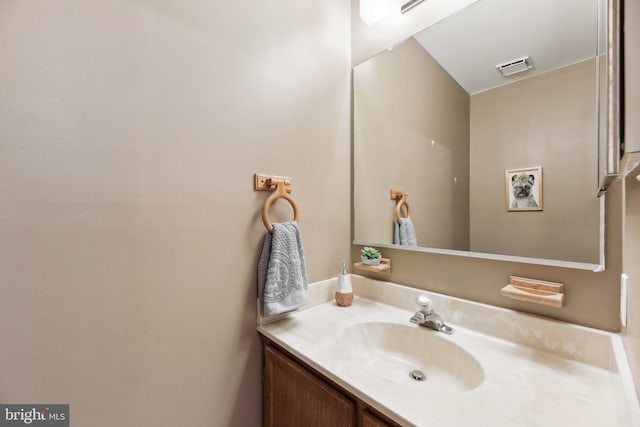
524	189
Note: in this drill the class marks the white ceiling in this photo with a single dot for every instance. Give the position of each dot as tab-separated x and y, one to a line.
470	43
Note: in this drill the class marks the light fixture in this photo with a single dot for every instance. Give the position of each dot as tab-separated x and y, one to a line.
410	5
515	66
374	11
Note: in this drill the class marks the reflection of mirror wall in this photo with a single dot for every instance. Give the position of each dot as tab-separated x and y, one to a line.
417	129
412	133
548	121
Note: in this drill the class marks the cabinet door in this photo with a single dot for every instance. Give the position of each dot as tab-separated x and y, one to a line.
371	420
295	397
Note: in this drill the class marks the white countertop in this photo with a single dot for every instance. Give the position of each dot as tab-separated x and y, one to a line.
523	386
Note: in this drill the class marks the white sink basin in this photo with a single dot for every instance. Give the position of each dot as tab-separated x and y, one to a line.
388	353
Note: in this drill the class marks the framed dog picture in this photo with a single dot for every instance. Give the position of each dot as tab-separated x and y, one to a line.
524	189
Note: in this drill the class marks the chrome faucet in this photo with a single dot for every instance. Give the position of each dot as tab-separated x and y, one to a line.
425	316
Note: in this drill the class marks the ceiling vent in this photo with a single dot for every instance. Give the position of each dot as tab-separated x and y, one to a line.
513	67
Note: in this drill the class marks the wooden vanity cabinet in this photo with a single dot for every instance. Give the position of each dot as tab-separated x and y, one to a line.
295	395
369	419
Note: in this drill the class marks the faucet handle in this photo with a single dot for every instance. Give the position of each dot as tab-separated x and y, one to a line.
426	306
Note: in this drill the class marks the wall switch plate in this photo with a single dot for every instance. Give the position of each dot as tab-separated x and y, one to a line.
624	291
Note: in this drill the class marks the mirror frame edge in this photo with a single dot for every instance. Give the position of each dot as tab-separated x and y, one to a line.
614	84
596	268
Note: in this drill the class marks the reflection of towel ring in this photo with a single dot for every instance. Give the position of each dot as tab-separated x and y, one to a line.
402	201
279	193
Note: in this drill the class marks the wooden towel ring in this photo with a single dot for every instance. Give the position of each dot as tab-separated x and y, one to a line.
279	193
402	201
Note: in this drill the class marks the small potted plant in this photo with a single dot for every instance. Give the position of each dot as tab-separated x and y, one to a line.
370	256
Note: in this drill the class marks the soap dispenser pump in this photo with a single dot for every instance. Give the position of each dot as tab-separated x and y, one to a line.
344	291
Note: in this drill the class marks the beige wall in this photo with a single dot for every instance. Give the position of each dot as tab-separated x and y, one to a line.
130	230
404	100
592	299
546	120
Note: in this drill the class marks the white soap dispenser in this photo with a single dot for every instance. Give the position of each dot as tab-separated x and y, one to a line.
344	291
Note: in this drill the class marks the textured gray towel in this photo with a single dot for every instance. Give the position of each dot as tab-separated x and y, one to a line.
282	274
404	234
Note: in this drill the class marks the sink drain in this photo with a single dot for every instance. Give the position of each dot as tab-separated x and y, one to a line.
417	375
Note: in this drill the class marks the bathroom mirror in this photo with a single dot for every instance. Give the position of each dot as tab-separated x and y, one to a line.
437	118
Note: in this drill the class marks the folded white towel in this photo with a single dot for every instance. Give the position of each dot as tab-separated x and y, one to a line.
404	233
282	274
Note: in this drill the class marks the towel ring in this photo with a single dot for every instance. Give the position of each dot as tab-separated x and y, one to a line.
279	193
402	201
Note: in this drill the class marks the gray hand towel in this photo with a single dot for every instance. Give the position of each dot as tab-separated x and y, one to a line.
404	233
282	274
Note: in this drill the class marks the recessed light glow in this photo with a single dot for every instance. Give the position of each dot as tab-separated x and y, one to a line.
373	11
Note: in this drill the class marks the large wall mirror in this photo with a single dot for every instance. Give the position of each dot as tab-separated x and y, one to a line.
500	162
